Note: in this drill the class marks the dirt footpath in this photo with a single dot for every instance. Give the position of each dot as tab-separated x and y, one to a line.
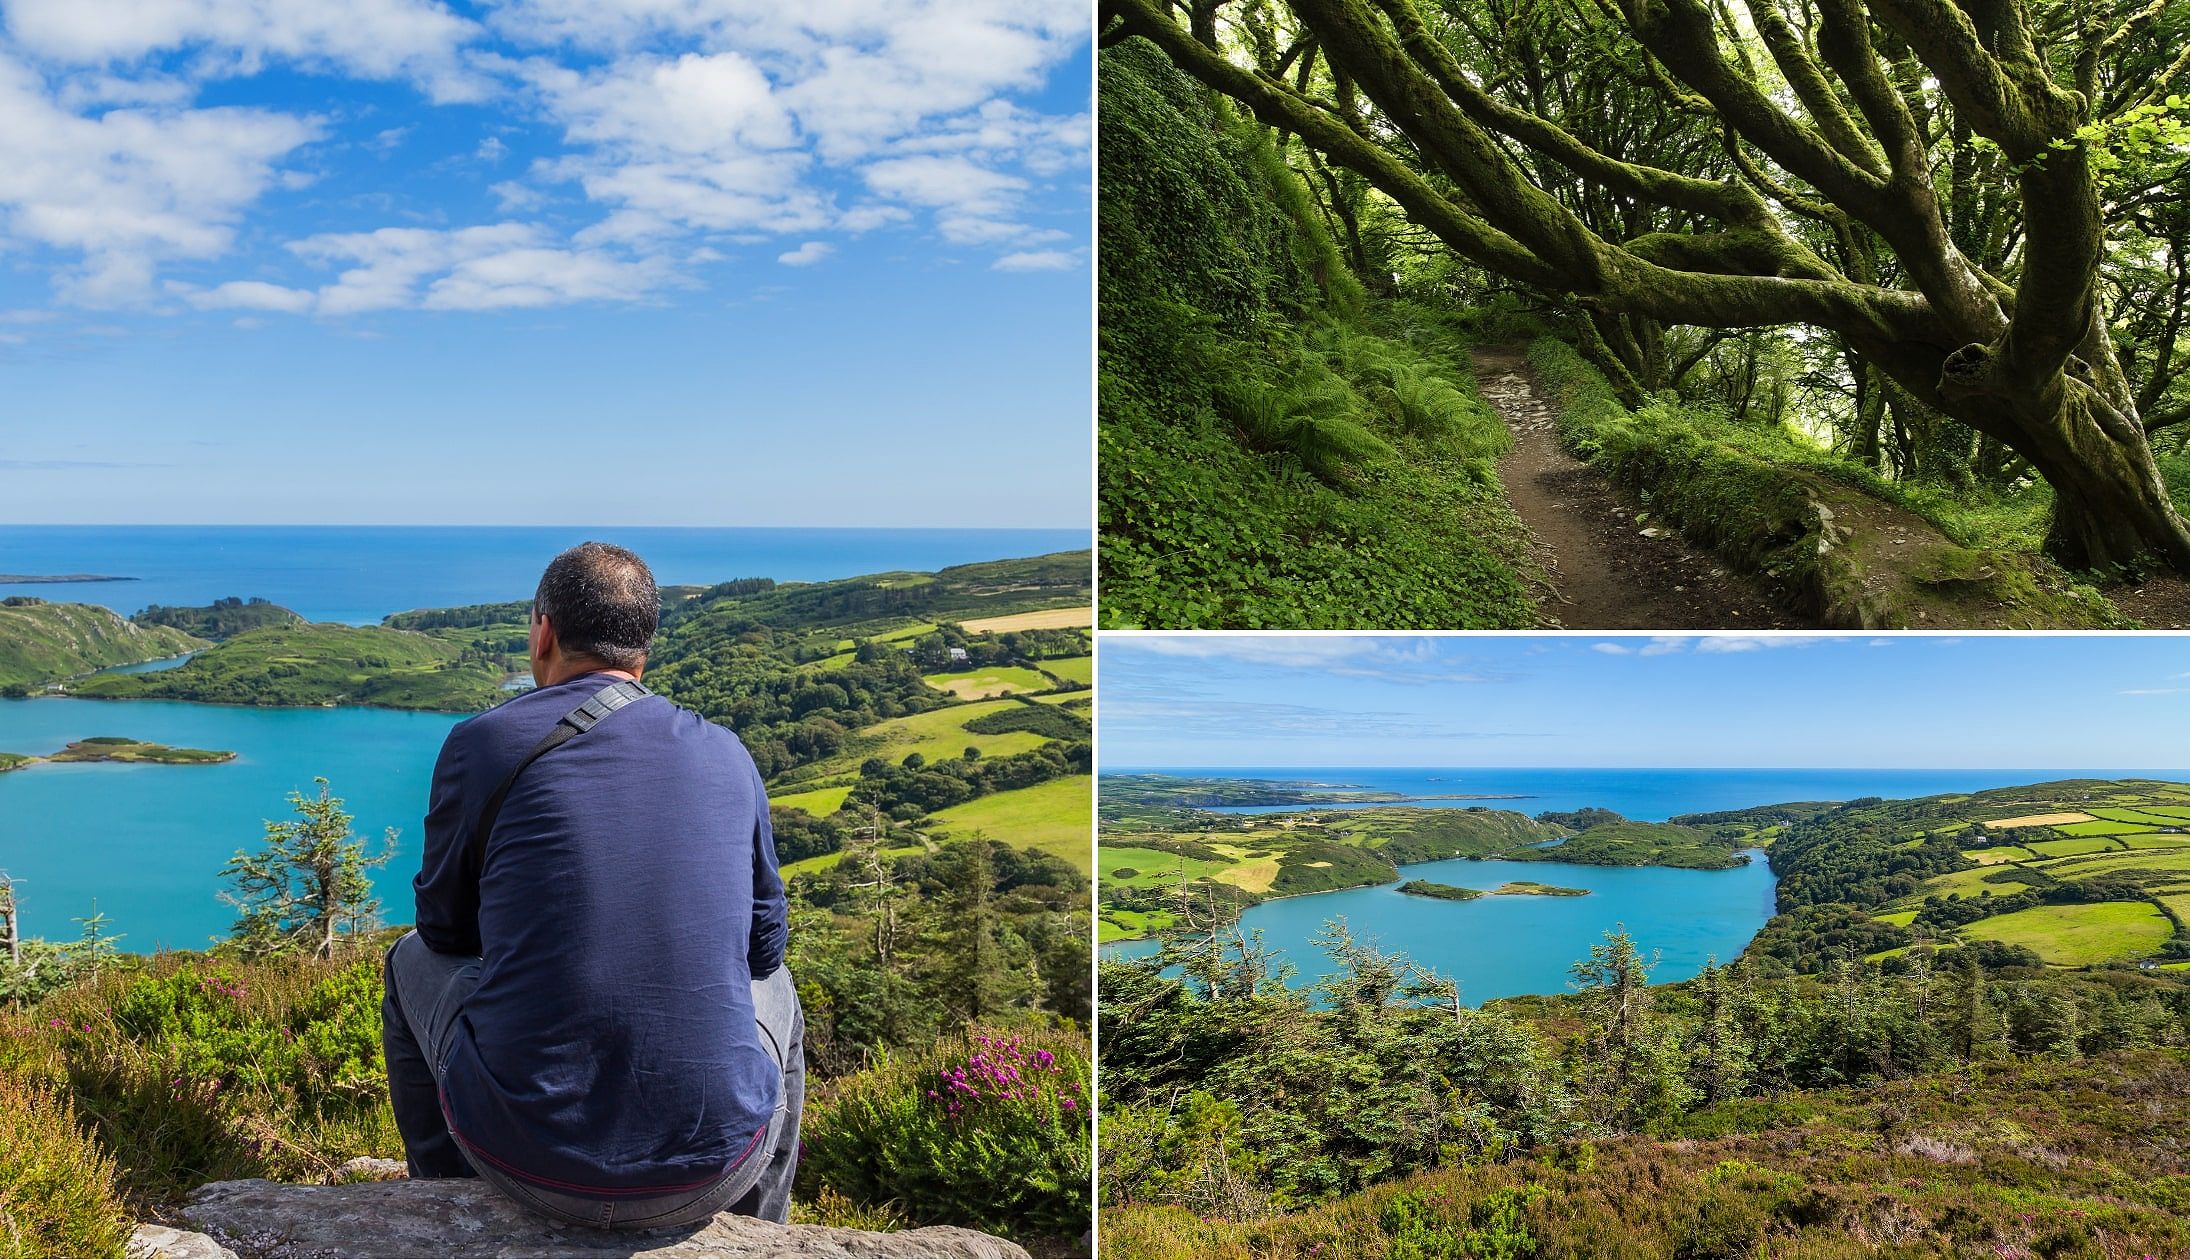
1607	572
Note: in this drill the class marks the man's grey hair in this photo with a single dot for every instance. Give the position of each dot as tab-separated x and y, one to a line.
603	603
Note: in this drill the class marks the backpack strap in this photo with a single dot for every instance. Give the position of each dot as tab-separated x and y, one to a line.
574	723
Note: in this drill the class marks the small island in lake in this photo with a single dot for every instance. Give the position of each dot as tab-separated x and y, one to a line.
1514	888
48	578
117	748
1530	888
1443	892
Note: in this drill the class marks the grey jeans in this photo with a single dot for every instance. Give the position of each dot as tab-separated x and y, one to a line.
428	989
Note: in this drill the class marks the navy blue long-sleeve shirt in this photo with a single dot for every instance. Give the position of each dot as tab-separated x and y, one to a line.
622	904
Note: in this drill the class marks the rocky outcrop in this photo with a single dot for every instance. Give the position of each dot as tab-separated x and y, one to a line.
470	1218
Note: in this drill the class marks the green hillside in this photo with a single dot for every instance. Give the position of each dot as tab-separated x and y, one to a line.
1277	449
1147	854
320	664
221	619
42	642
2016	867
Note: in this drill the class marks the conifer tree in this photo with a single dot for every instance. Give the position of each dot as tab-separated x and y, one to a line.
309	884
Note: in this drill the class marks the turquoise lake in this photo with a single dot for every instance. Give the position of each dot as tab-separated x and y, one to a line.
1507	946
148	842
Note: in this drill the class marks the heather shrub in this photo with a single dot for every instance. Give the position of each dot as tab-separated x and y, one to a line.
202	1070
988	1130
57	1195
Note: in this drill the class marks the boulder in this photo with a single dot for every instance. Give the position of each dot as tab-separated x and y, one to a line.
165	1242
465	1217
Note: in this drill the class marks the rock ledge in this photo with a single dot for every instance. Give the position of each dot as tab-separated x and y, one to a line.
468	1218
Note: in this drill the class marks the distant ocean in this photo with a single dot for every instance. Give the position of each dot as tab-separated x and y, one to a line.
1646	795
360	574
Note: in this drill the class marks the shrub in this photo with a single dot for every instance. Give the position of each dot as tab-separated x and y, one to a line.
57	1195
987	1130
202	1070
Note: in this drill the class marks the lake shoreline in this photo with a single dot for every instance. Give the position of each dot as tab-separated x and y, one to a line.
1751	856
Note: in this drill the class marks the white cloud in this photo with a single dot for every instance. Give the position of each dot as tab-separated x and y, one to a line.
254	295
1037	260
132	187
686	124
806	255
474	268
909	96
1670	644
1389	657
382	39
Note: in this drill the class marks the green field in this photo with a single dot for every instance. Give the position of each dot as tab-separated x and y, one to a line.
2135	816
2080	936
2156	860
1152	868
997	680
2075	845
1079	669
1054	816
1972	883
2158	840
1128	925
937	733
823	861
820	802
2103	828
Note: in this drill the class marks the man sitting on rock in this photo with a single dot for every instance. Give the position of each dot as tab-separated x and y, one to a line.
593	1012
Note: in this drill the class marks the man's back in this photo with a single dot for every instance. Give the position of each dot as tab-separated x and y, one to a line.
625	900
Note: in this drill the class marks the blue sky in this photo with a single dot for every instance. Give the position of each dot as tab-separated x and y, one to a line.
721	262
1981	701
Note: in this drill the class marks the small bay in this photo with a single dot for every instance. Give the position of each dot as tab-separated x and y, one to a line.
1505	946
148	841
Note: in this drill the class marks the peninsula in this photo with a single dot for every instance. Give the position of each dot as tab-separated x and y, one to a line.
49	578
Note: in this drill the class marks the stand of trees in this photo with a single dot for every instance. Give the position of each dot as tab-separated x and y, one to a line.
1974	210
1231	1094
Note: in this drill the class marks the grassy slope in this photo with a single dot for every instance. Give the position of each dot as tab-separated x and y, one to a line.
1272	455
2148	859
2028	1159
1286	854
1051	816
45	642
321	664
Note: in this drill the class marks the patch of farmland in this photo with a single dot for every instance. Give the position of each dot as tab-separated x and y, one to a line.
2040	820
1256	876
1044	619
1997	855
2159	862
2138	816
2103	828
1151	868
2074	846
2080	935
1969	884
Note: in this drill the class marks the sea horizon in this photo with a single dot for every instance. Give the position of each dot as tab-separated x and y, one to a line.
1642	793
360	574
